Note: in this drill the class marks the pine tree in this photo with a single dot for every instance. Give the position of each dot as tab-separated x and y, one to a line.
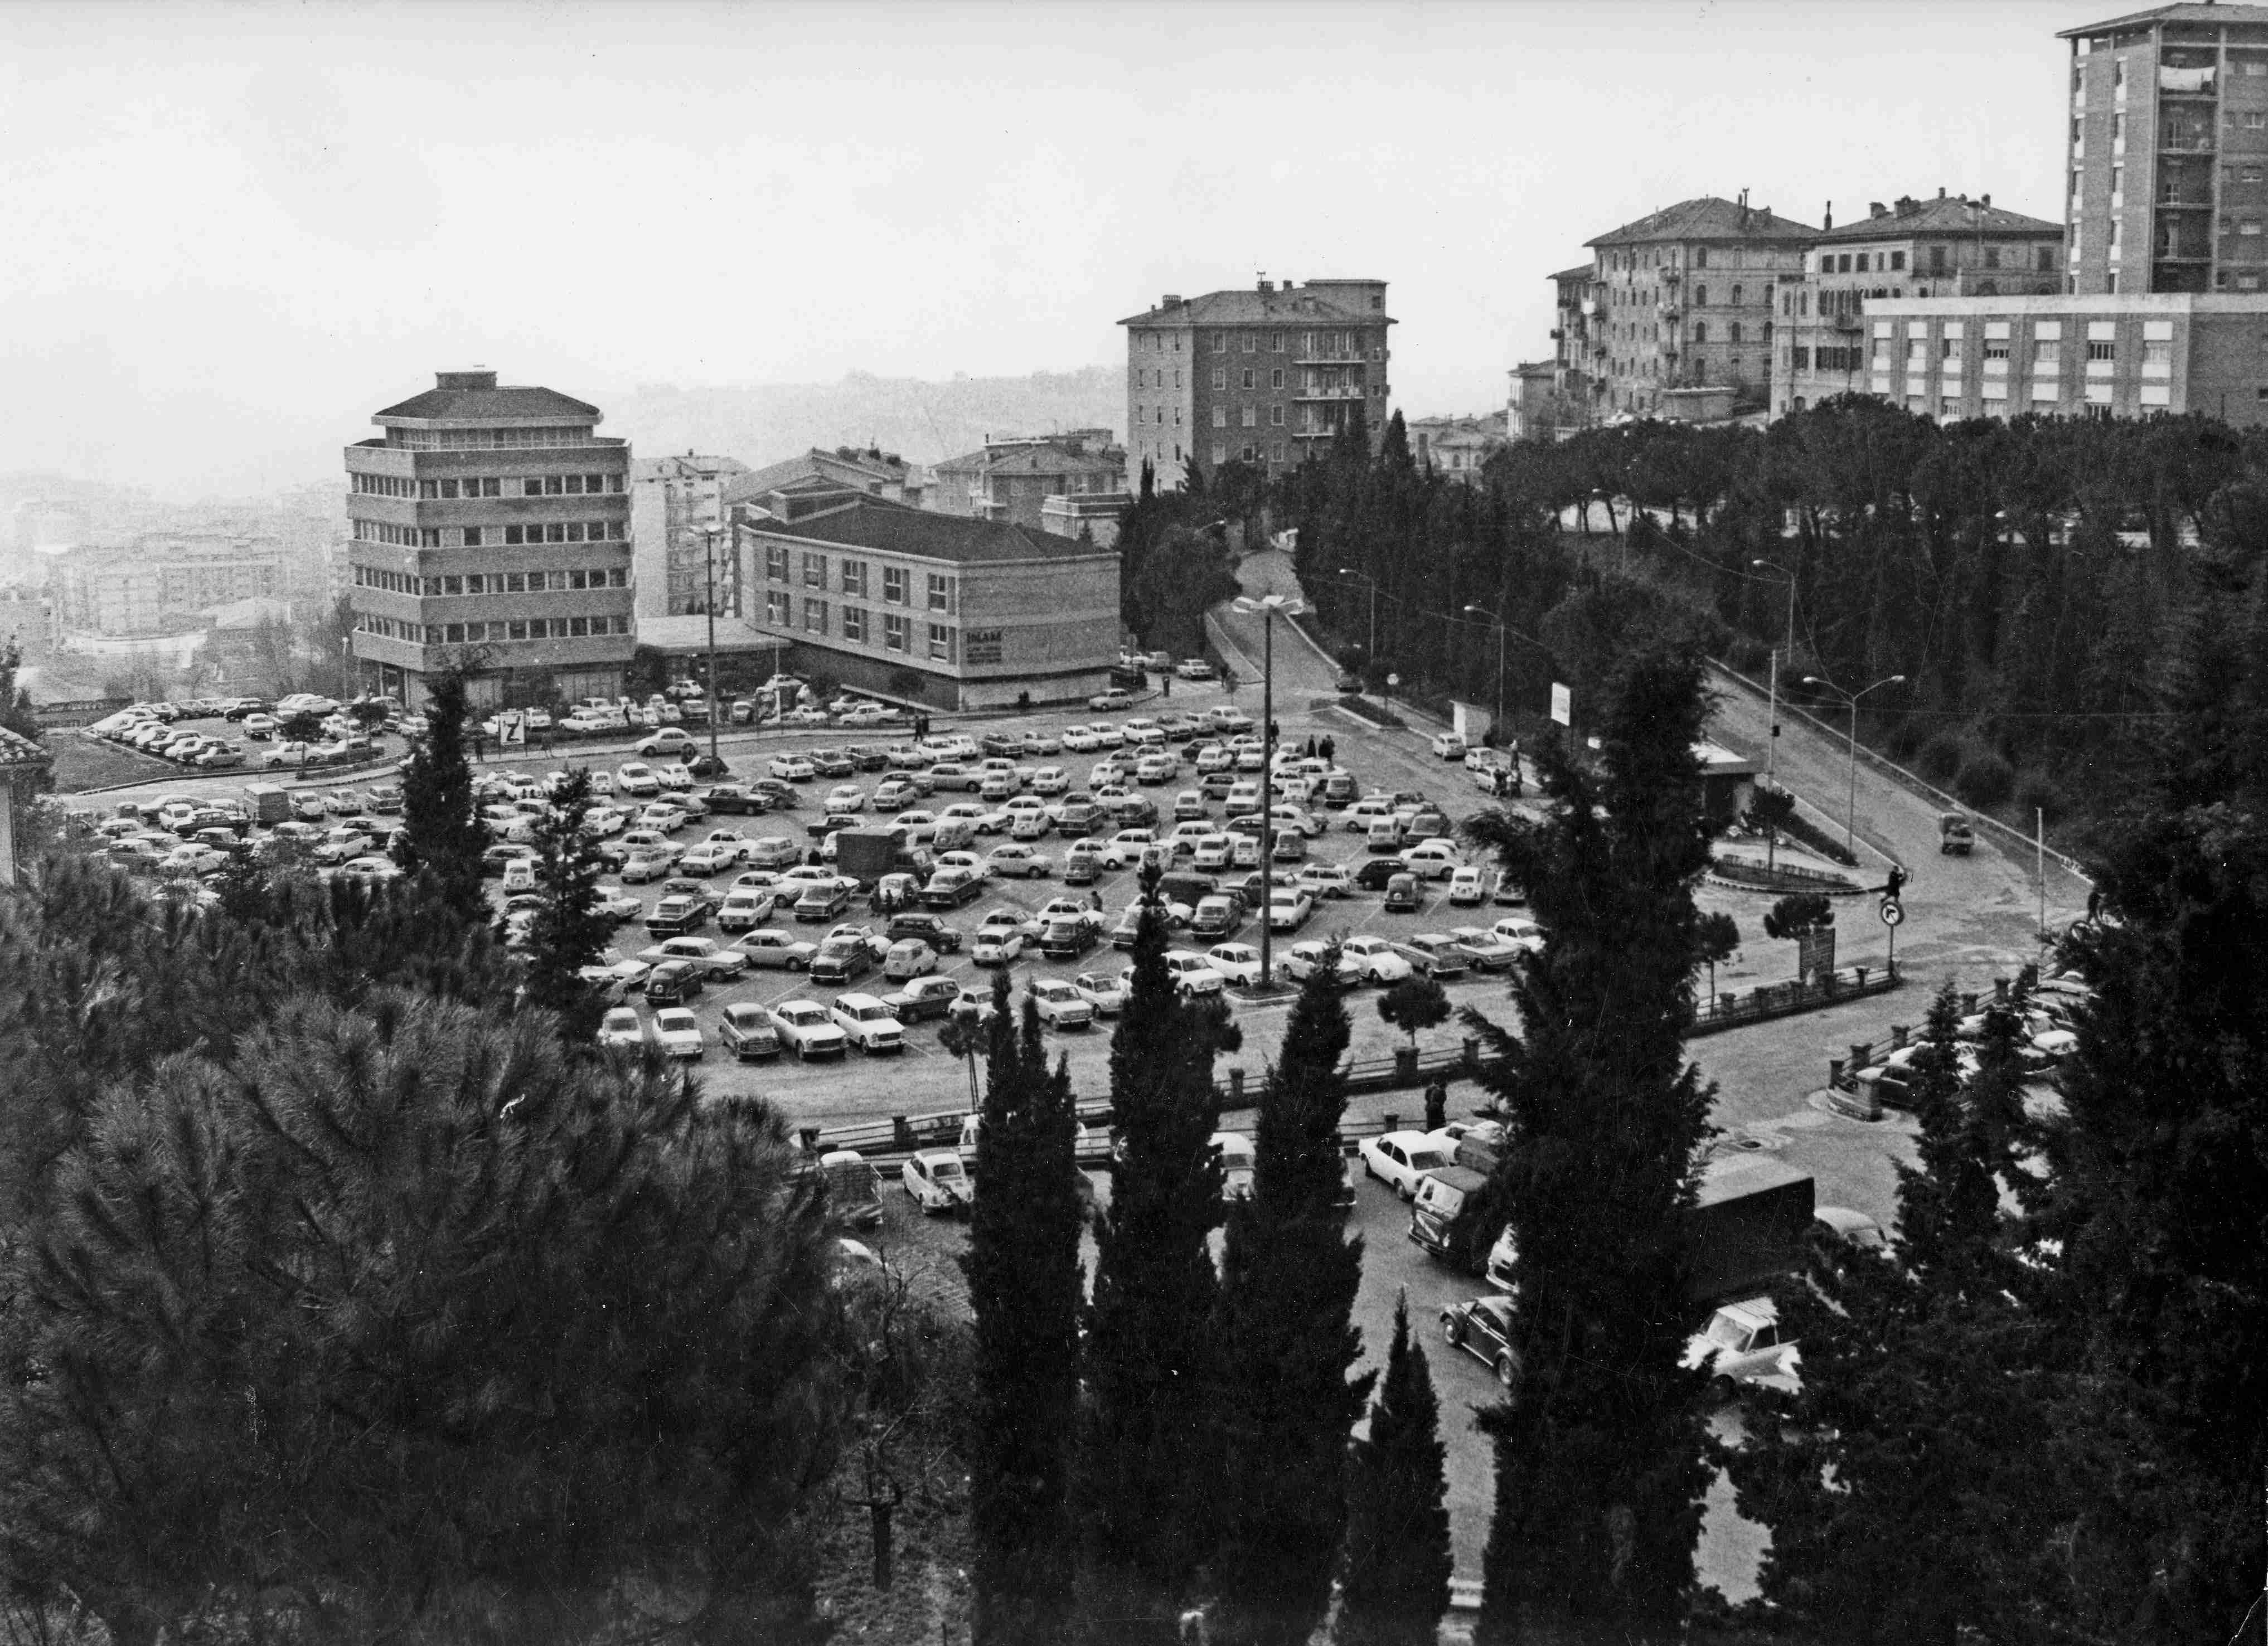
441	835
1025	1284
1599	1448
1395	1576
1285	1404
404	1323
1147	1466
568	933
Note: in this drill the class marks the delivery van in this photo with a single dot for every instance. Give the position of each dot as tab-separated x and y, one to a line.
1441	1196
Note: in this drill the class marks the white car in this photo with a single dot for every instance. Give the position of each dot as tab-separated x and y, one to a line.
620	1027
1288	909
1489	951
1237	962
1111	702
1742	1344
1017	860
791	769
1468	886
707	858
1193	973
805	1028
637	778
869	1025
1079	741
1050	780
844	797
1127	846
1060	1005
1400	1159
1238	1159
1325	879
1448	746
676	778
679	1034
1303	960
998	944
1376	957
982	819
1432	860
1105	993
714	961
938	1182
1524	933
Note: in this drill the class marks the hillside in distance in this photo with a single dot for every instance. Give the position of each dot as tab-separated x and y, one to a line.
762	423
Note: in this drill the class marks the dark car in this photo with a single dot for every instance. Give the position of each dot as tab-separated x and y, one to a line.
841	960
1376	874
1482	1329
1349	685
672	983
834	822
777	792
867	758
830	762
1402	896
734	797
707	766
823	900
927	928
1000	742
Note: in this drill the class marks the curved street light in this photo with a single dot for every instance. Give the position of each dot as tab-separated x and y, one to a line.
1268	607
1498	621
1364	578
1850	699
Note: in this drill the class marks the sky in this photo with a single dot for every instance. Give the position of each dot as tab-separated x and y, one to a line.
233	229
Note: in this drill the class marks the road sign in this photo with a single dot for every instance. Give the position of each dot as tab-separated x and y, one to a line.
1893	912
512	727
1562	704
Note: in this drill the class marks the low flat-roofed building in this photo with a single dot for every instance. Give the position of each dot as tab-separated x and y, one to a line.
929	608
2123	356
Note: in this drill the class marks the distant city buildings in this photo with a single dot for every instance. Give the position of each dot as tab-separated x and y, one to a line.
1057	483
1263	377
675	503
491	530
1456	446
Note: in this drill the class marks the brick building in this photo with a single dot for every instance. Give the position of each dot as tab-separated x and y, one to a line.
675	502
490	529
1264	377
1578	344
943	610
1922	248
2167	145
1685	301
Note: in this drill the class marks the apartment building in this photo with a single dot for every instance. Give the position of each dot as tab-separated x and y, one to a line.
1943	248
2168	143
1456	447
947	610
1579	341
160	582
491	530
1685	300
675	503
1014	479
2124	355
1264	377
869	470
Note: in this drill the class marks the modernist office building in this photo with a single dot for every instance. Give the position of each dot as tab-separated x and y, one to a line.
490	531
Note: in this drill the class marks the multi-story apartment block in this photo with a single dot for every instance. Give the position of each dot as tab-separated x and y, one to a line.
2130	355
871	470
491	530
1685	300
2167	145
931	608
675	503
1579	341
1261	377
1012	479
160	582
1941	247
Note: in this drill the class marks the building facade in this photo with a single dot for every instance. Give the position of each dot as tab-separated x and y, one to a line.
1012	480
1941	247
941	609
490	531
1264	377
1456	447
2167	145
1579	343
2121	356
675	503
1685	300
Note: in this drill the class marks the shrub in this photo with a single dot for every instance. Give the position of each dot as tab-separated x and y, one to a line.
1751	657
1941	757
1984	780
1904	739
2037	791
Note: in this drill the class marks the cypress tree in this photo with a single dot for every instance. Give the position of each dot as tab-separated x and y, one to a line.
567	932
1394	1574
1599	1448
1147	1469
441	835
1289	1275
1025	1283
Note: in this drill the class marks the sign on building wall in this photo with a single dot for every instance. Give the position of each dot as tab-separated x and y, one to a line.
980	645
1562	704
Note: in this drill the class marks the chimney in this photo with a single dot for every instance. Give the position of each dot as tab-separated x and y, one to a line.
1940	191
1830	218
1171	300
1266	285
1876	209
464	379
1984	201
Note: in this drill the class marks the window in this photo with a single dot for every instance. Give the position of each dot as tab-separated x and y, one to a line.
1276	416
1251	377
894	585
1701	296
854	624
940	643
940	592
1276	342
1251	342
1700	257
1276	379
1917	350
1220	377
1992	257
2047	260
1220	454
1897	260
1937	260
775	607
1251	416
1700	332
472	537
814	617
2047	356
894	631
1220	343
1996	348
1220	416
2247	225
2157	355
1736	290
854	577
814	570
2101	350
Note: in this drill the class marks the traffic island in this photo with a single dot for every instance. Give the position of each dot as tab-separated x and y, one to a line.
1746	874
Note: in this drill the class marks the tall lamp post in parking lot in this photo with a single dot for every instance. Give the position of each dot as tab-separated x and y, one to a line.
709	534
1369	657
1850	699
1498	621
1270	606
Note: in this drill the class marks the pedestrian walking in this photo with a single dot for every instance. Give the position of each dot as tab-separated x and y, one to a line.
1325	749
1437	1106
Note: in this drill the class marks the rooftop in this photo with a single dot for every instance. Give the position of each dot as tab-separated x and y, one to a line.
18	750
1267	302
1707	218
2255	15
895	528
1957	213
1581	271
474	397
1028	459
865	469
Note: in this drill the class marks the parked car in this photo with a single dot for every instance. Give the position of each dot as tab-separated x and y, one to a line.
1399	1159
1741	1344
868	1024
1303	960
923	997
1434	954
1482	1328
1238	963
748	1033
938	1182
1376	957
805	1028
1402	896
1105	993
777	951
1061	1006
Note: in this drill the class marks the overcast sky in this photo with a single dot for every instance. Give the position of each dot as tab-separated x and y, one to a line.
226	225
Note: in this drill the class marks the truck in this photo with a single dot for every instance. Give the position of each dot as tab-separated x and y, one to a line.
1954	836
269	802
866	854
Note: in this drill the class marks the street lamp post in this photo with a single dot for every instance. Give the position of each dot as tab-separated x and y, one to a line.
1372	584
709	563
1851	800
1498	621
1270	607
1771	731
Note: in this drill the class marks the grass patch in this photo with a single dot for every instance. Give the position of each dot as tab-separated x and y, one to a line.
82	764
1362	708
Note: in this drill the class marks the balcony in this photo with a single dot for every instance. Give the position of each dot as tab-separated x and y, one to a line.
1347	392
1847	320
1354	356
2198	81
2185	140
